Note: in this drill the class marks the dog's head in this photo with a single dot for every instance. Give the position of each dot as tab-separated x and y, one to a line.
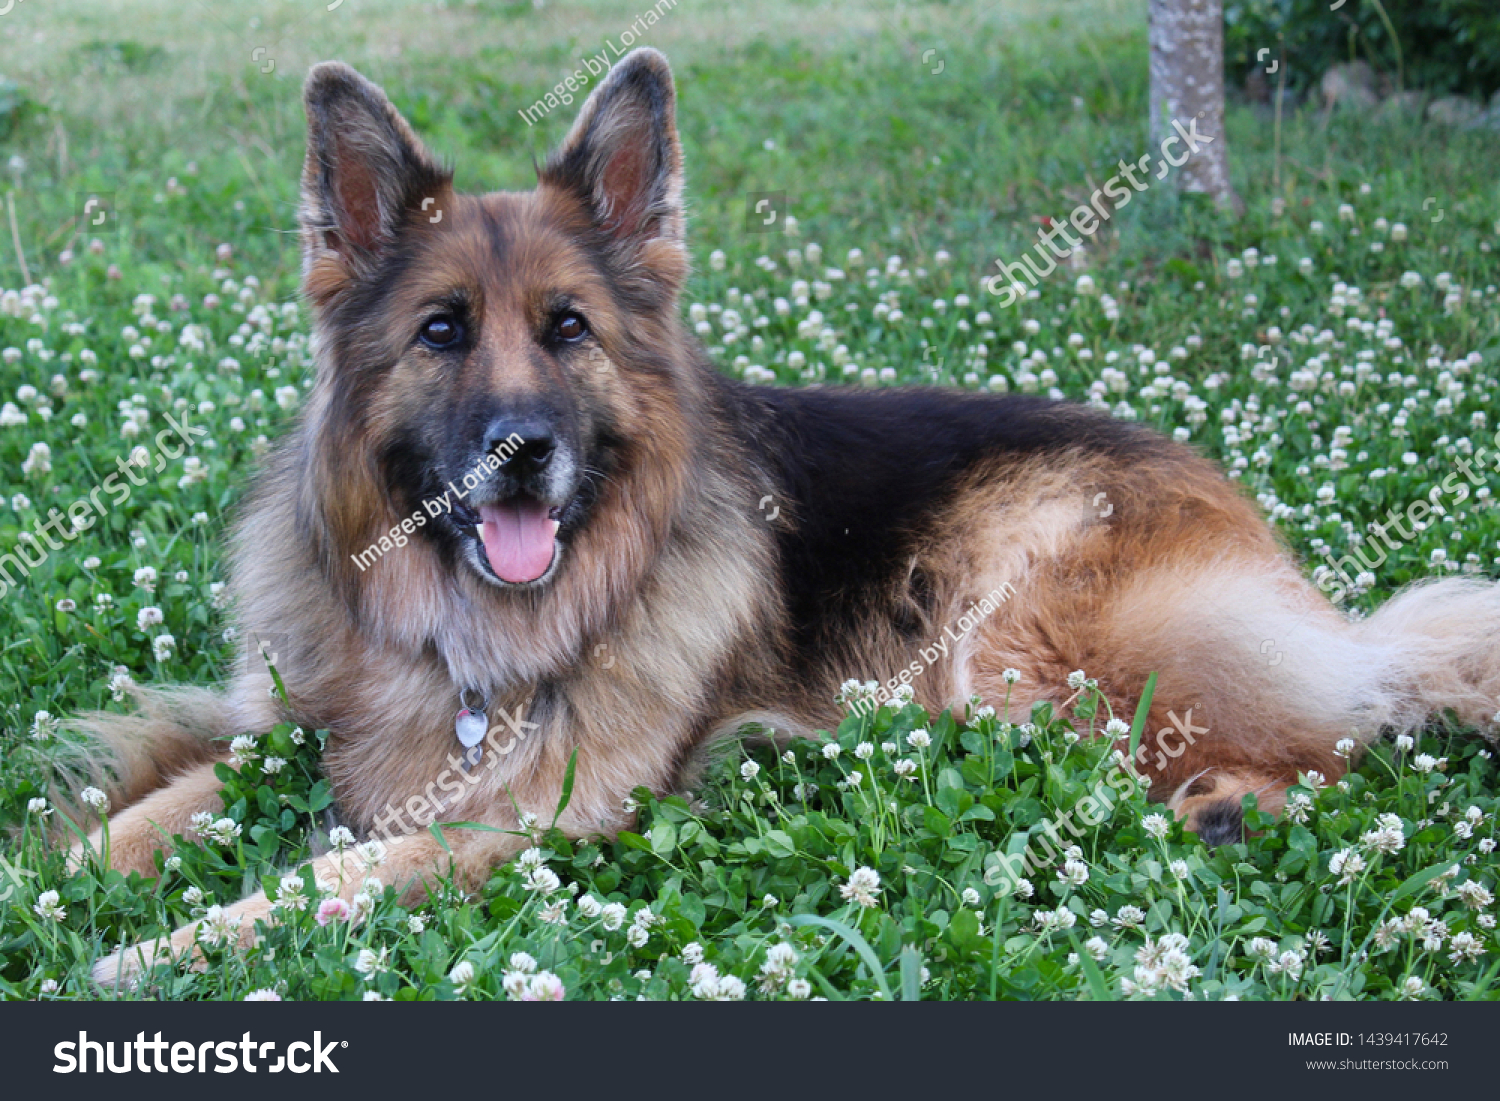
489	364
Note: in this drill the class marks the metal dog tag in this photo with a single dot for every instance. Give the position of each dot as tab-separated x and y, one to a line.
471	727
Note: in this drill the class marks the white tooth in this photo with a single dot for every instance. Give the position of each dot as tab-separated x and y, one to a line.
555	525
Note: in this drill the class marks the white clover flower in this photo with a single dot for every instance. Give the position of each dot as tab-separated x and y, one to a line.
1412	987
217	928
291	894
162	646
1424	762
522	962
242	751
1156	825
1289	963
1298	807
1075	873
43	725
1475	895
95	799
1347	864
1404	743
1261	950
589	907
863	887
461	976
49	906
1388	836
800	989
1344	747
831	750
1077	679
341	838
543	881
919	739
864	751
222	831
612	916
39	807
370	963
515	984
544	986
749	770
1465	948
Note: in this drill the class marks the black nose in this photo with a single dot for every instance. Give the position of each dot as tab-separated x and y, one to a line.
524	444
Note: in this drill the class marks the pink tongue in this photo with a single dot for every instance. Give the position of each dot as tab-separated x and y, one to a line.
519	539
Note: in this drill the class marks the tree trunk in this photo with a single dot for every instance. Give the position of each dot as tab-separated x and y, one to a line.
1187	84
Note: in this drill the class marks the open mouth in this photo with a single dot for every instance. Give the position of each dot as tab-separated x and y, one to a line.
518	536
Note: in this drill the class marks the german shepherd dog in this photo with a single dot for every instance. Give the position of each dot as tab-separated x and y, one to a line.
614	575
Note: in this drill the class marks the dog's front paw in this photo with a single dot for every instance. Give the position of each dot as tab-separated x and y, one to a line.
124	968
222	926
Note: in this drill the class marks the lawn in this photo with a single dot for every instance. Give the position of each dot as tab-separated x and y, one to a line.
1335	349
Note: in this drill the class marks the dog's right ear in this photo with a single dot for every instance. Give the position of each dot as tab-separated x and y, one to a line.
365	173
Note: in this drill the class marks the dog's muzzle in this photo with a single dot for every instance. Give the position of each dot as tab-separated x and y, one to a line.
515	511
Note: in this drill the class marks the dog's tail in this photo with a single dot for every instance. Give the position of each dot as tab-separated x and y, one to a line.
1438	643
1290	678
130	756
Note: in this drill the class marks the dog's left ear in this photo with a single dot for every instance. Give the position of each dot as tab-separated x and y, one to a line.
622	159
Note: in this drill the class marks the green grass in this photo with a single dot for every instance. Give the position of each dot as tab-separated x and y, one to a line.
933	176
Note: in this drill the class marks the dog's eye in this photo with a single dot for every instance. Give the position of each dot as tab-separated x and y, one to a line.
570	327
441	332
